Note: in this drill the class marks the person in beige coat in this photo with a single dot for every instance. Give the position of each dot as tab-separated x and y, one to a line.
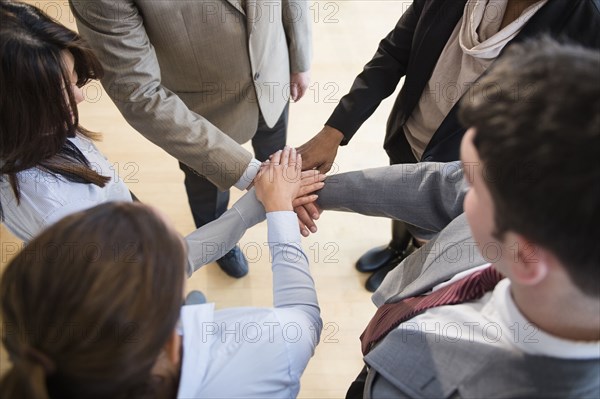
199	78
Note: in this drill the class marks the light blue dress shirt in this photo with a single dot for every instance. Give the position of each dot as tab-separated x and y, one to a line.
46	198
256	352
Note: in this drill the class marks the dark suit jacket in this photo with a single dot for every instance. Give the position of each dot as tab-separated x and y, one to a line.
413	49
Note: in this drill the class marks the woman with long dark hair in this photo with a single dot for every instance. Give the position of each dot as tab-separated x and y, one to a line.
49	166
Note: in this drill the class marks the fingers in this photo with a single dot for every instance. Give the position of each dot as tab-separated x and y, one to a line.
313	211
294	92
309	174
310	188
276	158
303	230
303	200
306	223
295	160
324	167
301	91
291	163
312	176
285	156
298	161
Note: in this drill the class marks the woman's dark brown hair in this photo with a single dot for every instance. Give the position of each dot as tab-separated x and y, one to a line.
35	115
89	304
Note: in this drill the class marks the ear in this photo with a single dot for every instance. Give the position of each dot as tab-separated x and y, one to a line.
172	348
529	266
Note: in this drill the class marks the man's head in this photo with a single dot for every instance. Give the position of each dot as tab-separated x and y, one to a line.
532	158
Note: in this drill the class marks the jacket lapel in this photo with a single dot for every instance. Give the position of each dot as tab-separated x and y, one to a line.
237	4
450	252
252	12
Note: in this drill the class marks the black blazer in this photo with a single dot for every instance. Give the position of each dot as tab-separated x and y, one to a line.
413	49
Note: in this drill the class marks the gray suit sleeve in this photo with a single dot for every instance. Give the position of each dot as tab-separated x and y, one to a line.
297	23
115	30
427	195
213	240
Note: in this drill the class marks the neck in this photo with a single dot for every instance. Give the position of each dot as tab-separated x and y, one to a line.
562	313
514	9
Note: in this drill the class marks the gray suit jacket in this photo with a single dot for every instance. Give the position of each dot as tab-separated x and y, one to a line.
426	195
191	76
420	365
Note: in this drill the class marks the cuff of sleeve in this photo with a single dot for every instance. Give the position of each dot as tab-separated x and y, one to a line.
248	175
337	121
283	227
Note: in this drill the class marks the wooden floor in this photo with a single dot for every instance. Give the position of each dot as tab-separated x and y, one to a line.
345	35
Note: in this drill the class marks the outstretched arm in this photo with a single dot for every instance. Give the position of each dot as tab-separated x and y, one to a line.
377	81
277	184
427	195
213	240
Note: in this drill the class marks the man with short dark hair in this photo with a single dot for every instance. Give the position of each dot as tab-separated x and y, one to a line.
505	300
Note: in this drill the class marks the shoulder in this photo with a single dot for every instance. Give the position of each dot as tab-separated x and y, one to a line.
44	199
234	341
431	366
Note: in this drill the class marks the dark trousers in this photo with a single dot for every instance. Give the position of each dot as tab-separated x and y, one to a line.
206	201
401	234
357	388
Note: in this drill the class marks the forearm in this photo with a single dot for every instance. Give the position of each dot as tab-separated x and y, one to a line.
427	195
210	242
379	78
293	286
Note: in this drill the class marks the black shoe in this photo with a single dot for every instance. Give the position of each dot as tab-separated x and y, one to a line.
377	258
234	263
375	280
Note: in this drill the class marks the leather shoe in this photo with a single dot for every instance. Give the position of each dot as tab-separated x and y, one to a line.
377	258
375	280
234	263
195	298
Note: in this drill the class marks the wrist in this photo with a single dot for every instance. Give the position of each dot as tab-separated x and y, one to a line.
277	206
333	135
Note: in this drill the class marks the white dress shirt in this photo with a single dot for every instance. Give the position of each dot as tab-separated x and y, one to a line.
496	320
